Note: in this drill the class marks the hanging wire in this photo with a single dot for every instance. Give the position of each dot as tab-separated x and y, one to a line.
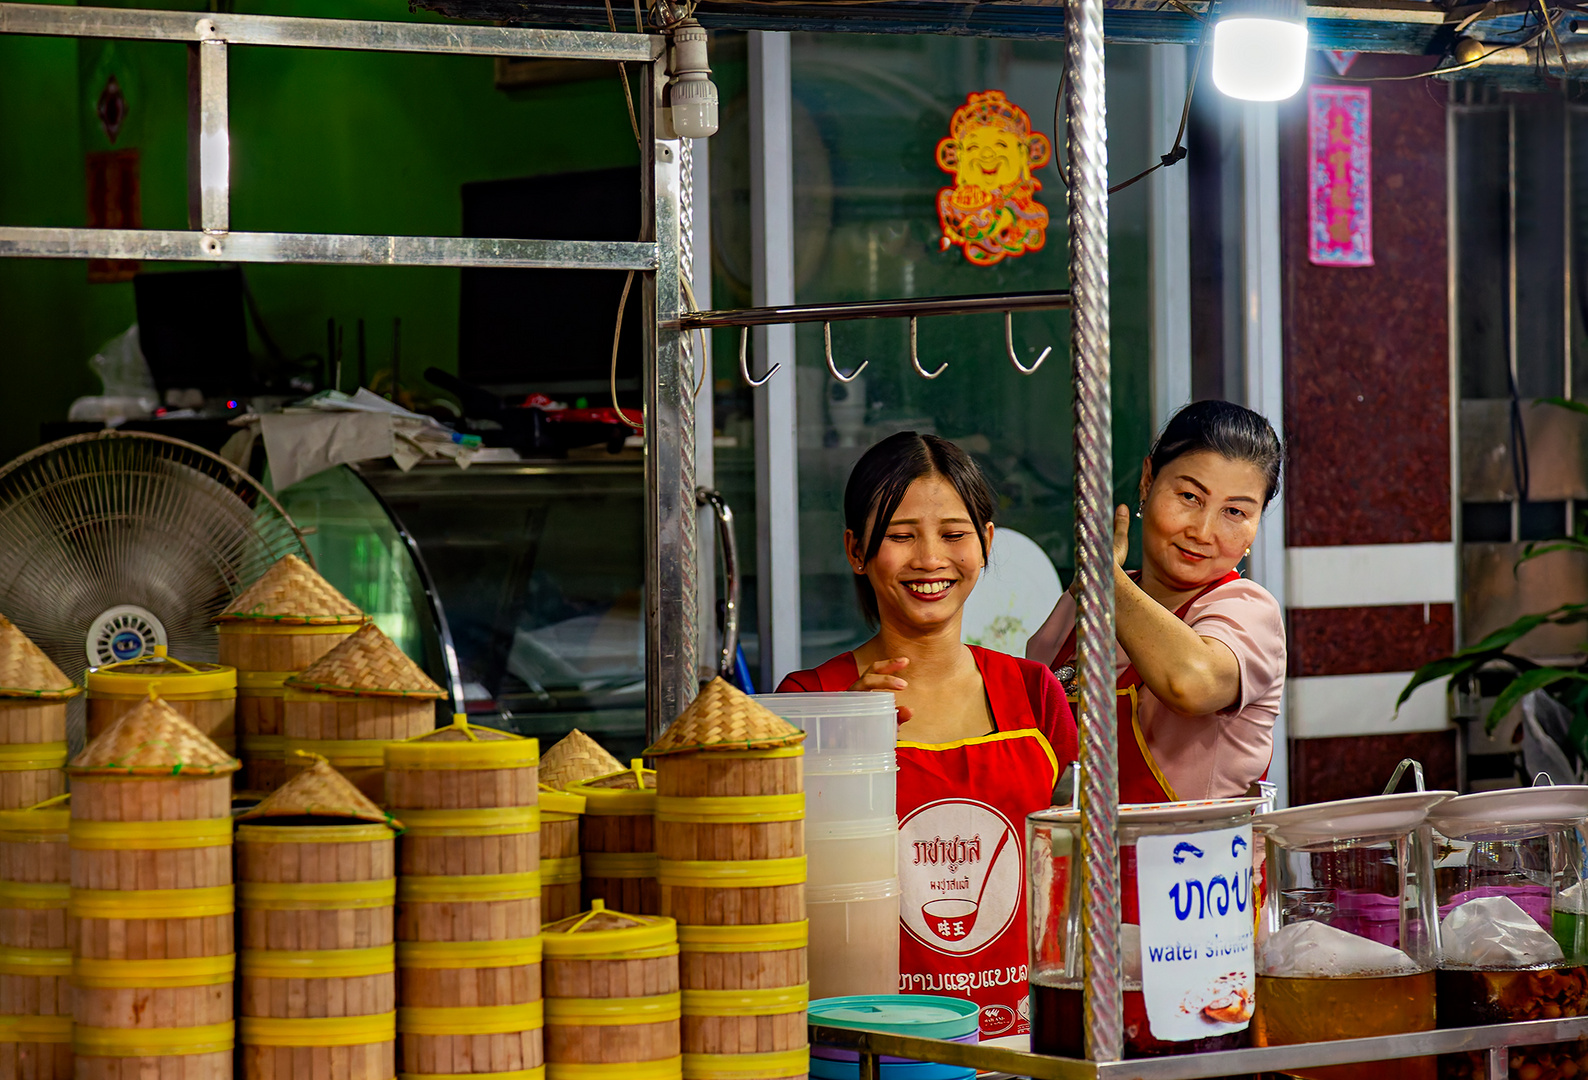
1176	153
617	335
623	77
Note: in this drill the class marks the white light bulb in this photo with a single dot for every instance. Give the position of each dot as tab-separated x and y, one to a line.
1259	56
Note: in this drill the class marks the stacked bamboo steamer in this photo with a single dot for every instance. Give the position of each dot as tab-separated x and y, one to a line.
316	876
617	840
280	625
574	757
151	904
35	959
731	863
33	694
560	874
204	694
468	919
348	705
612	1001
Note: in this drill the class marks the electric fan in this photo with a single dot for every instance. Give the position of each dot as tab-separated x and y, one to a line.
114	542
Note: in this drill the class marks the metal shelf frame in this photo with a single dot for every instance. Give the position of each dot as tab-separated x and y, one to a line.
1494	1041
670	574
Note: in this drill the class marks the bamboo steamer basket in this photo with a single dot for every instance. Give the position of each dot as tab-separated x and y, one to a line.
204	694
560	874
611	994
281	624
617	840
730	774
35	959
352	702
575	757
731	864
150	914
33	696
316	886
468	920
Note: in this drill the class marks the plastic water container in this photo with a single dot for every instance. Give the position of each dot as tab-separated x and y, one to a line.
839	852
870	793
839	724
851	840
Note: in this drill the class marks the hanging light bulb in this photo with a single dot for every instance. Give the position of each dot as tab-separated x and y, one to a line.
692	95
1260	49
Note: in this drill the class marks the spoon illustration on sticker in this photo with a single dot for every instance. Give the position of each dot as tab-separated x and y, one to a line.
951	918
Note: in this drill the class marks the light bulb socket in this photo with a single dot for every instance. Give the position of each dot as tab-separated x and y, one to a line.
691	97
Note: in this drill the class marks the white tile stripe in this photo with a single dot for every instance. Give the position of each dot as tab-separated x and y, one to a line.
1325	706
1370	575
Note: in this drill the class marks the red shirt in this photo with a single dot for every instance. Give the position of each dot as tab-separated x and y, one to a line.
962	809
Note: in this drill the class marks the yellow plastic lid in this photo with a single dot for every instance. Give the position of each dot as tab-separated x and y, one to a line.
461	746
601	932
631	791
162	673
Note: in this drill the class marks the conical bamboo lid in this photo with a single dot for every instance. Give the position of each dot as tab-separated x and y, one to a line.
723	718
367	664
152	739
318	791
291	593
24	669
575	757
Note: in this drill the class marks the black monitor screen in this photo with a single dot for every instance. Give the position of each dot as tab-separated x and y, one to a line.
193	332
551	330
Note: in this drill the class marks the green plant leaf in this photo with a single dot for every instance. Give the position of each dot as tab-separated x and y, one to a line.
1524	684
1538	548
1566	403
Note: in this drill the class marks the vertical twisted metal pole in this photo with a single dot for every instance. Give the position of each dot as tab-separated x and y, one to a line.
1094	525
689	567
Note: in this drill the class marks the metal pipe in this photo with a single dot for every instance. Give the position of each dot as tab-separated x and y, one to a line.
1087	137
730	570
179	245
1219	1063
916	307
362	35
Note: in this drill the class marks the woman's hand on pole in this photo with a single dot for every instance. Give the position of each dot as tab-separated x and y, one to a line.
883	675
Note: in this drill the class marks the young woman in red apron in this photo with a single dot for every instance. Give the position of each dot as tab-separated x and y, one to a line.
983	736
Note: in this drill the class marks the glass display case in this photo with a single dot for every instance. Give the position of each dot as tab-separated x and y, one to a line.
519	583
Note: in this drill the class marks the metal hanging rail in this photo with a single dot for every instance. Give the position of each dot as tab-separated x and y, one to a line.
922	307
670	624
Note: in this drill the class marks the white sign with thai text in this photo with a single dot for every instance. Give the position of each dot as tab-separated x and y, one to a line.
1197	920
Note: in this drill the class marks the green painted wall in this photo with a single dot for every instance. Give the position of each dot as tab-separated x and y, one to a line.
321	142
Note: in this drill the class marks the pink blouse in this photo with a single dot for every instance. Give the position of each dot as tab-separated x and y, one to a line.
1222	755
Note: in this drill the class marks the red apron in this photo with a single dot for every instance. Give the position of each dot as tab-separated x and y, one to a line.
1140	778
962	865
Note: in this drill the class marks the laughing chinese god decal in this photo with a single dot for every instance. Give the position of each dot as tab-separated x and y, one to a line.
992	212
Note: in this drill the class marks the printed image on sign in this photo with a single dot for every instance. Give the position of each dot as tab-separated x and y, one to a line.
959	875
1195	893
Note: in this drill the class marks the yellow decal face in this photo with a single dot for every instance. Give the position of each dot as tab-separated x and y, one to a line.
991	213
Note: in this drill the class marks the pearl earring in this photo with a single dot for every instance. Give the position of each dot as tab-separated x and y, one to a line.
1248	551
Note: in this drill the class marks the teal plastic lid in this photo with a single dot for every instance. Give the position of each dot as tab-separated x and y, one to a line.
925	1015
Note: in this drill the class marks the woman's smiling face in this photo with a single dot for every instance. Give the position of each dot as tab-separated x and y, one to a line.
930	558
1198	517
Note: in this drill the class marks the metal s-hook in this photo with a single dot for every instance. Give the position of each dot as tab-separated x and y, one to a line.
1009	343
827	345
919	370
744	360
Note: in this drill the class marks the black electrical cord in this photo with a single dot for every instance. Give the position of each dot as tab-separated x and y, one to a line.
1176	153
